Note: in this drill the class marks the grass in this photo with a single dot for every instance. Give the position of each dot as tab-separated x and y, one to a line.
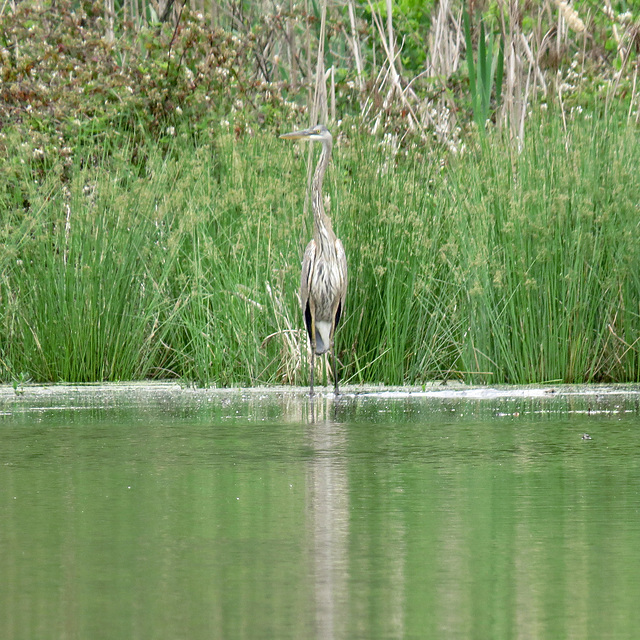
551	256
498	267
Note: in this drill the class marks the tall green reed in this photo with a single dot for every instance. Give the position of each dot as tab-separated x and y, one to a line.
159	272
549	256
83	277
399	324
499	267
237	266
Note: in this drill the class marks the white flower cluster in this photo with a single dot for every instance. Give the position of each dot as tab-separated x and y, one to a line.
445	129
572	78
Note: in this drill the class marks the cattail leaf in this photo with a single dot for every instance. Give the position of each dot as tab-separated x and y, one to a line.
500	70
482	55
469	50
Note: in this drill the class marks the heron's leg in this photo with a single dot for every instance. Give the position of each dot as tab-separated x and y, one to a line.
312	340
335	371
313	356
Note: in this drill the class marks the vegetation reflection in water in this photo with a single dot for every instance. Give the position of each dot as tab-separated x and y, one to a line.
235	516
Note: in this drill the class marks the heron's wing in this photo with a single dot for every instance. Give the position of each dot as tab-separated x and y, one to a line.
307	264
342	267
307	267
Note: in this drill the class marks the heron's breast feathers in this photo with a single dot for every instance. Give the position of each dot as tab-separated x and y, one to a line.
324	278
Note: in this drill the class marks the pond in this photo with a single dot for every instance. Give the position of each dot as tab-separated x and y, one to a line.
135	511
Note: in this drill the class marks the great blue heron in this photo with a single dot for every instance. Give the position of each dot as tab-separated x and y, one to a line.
323	285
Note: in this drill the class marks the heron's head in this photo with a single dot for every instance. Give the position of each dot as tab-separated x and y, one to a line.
319	132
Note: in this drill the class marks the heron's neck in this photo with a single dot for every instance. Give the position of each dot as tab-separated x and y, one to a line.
322	223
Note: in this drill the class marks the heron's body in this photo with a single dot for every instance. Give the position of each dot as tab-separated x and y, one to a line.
321	279
323	284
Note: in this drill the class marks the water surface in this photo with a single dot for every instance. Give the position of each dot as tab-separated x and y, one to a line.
161	512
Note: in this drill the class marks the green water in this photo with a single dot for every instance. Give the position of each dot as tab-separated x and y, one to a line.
202	515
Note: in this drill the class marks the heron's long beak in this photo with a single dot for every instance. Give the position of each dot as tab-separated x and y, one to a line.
297	135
